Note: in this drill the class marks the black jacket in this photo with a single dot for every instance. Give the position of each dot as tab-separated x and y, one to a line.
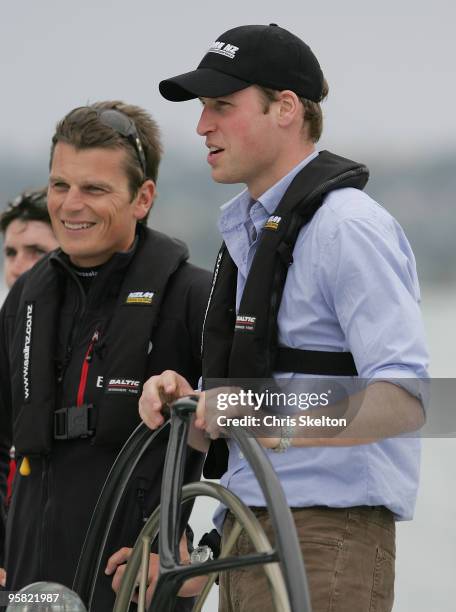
51	508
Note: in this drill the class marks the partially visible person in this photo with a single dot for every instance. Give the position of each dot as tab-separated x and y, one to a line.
27	233
27	237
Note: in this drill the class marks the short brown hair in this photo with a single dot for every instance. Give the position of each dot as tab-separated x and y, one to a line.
313	115
84	130
28	206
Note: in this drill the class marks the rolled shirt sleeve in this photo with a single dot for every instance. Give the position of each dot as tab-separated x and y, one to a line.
368	276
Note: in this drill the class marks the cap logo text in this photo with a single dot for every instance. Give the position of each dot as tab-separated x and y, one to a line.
223	49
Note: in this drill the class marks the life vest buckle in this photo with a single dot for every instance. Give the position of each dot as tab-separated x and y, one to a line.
74	422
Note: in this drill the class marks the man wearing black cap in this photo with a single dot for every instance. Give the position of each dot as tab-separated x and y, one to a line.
314	279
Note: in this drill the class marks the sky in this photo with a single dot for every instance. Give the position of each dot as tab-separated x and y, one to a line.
390	66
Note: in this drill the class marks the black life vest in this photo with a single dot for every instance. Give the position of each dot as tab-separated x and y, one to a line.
33	370
245	345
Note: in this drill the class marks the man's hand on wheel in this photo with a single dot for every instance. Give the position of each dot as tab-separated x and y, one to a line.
159	391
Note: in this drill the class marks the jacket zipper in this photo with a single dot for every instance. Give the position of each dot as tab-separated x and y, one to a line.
85	368
77	320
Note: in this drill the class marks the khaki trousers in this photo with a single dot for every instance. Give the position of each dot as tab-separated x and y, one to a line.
349	555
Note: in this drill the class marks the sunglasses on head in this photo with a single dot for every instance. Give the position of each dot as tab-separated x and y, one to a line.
120	123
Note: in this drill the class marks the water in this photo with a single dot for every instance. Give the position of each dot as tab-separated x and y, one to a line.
426	560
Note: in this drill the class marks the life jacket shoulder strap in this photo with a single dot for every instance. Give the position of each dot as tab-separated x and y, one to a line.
321	363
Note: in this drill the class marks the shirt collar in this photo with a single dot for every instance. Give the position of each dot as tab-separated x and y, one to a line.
235	212
271	198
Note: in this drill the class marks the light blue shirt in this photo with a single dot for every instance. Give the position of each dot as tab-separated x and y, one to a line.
352	287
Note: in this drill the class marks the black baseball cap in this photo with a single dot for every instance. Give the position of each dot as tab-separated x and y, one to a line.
266	55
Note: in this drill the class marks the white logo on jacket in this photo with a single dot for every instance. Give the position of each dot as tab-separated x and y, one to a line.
245	323
140	297
273	222
123	385
26	350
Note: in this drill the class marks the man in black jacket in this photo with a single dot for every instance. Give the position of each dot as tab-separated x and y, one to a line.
79	335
